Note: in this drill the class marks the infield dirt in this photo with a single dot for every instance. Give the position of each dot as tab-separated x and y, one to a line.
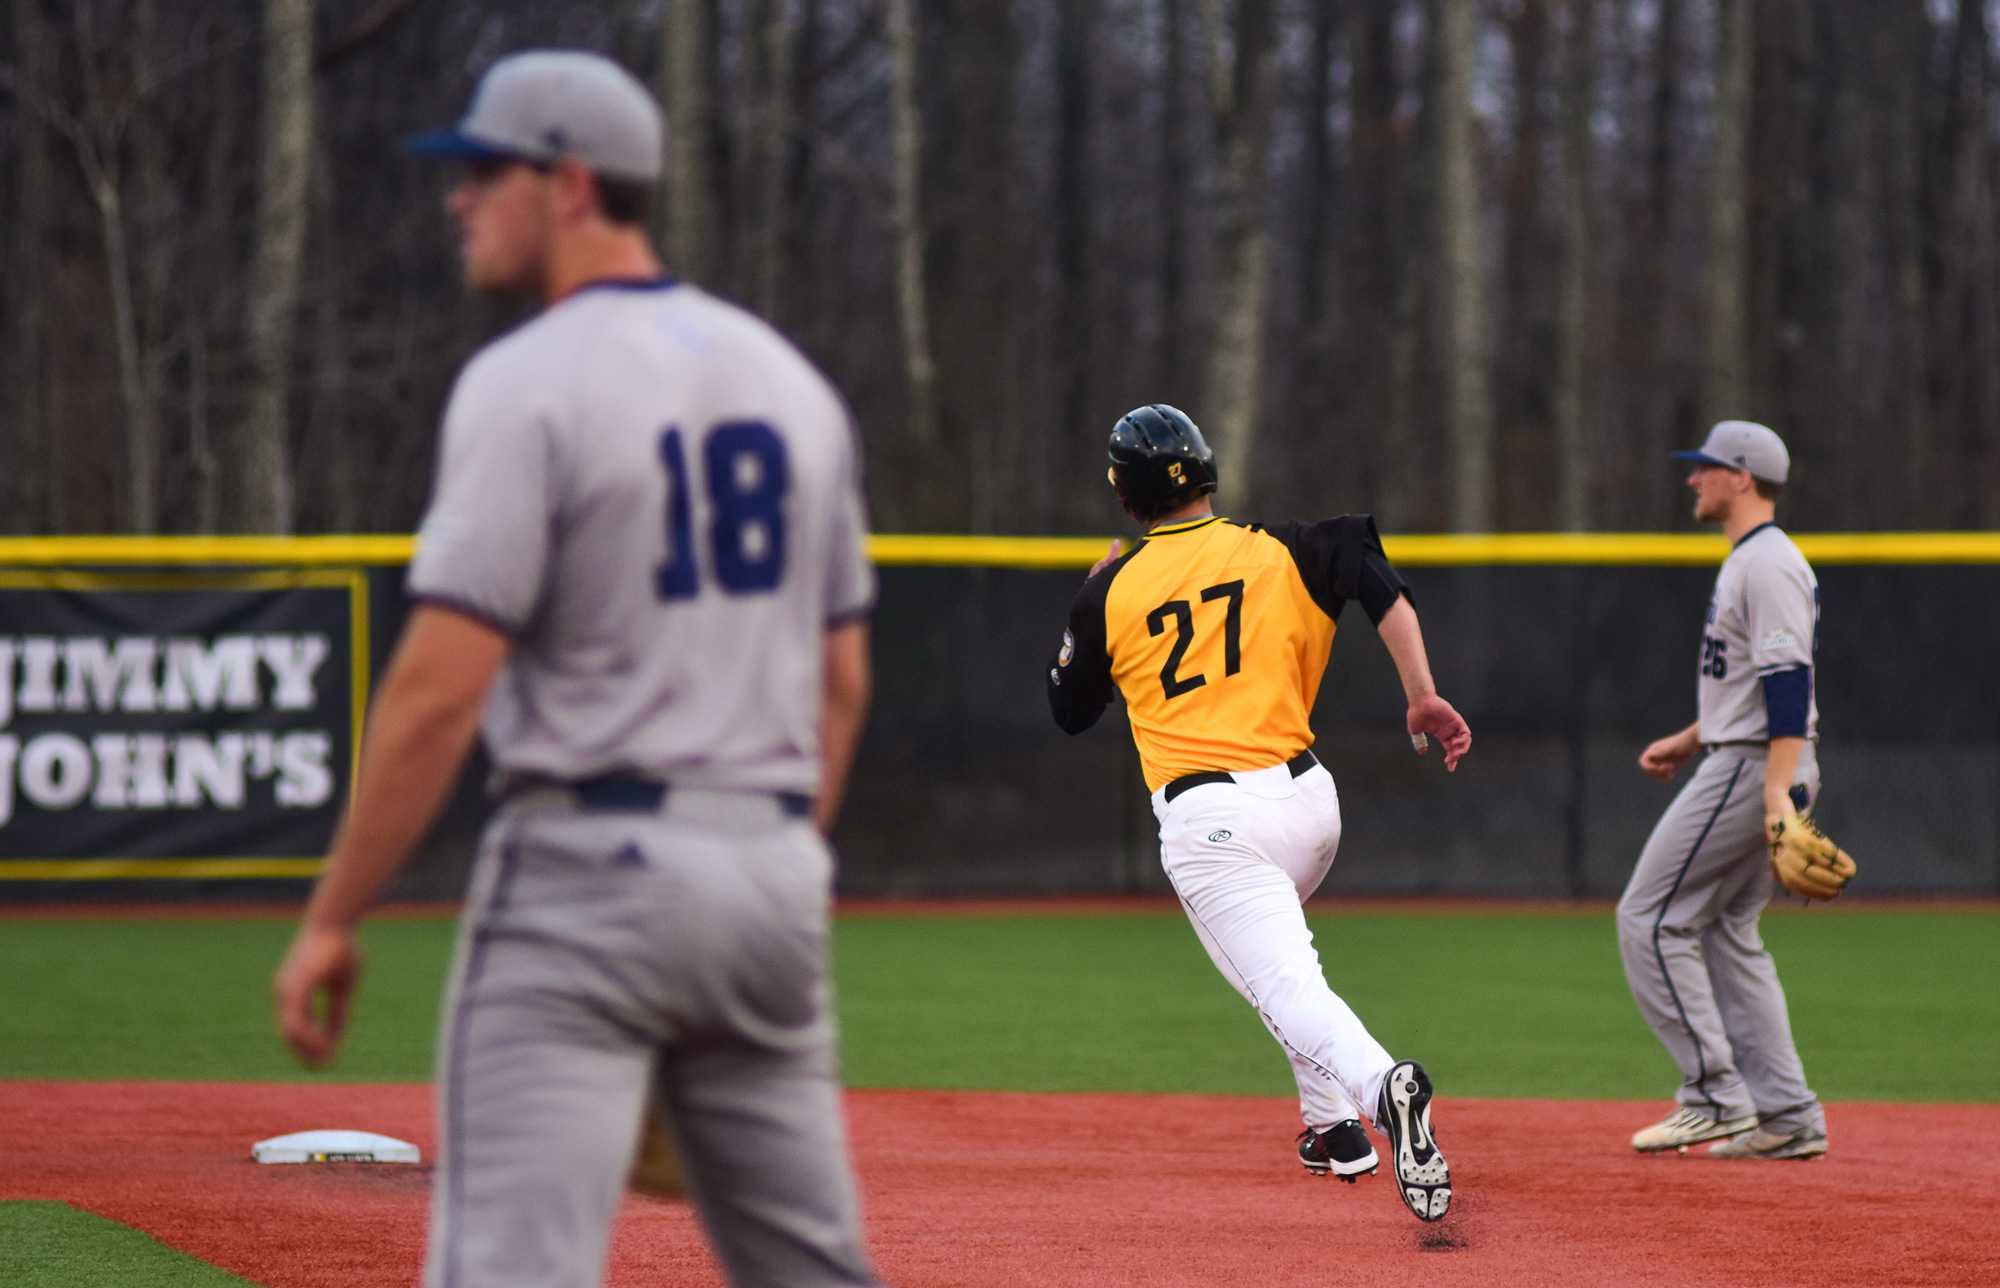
1070	1190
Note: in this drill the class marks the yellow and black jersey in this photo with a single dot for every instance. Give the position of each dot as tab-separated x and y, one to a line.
1217	633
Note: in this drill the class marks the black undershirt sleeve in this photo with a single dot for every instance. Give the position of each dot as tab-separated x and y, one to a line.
1342	559
1079	675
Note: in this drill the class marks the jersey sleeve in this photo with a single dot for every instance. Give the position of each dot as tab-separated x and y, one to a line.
483	546
850	590
1342	559
1079	678
1779	617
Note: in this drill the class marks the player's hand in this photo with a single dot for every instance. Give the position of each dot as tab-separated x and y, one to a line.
1665	755
1110	557
1433	717
312	989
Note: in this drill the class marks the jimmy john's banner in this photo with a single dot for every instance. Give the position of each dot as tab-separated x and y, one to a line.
177	724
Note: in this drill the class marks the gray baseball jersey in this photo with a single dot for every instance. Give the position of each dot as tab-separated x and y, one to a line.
1763	618
1687	921
657	499
616	497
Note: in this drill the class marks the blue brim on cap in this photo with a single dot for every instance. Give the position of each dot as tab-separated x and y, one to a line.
1705	459
454	144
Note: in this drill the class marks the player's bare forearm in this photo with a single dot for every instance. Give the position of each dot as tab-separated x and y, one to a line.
847	681
1404	639
1781	762
1663	756
1429	716
420	729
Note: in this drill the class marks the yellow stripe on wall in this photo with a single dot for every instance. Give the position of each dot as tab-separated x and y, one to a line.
963	551
152	869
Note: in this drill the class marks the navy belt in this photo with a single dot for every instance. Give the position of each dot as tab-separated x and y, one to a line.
1298	764
623	793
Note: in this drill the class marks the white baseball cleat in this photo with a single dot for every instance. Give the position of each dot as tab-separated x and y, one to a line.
1686	1127
1423	1179
1758	1143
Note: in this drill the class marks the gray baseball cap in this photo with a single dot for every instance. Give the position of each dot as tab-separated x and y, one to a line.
549	103
1743	445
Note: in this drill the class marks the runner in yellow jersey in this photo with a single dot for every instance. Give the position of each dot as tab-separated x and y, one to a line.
1217	633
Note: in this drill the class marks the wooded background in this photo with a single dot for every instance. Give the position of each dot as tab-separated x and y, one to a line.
1469	264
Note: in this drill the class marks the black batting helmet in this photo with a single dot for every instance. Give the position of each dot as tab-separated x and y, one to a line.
1159	459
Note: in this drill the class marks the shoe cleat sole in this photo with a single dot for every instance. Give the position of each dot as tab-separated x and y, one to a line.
1423	1178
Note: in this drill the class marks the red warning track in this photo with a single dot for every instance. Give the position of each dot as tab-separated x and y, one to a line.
1063	1191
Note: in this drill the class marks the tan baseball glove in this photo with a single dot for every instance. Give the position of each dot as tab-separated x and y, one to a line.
656	1169
1805	859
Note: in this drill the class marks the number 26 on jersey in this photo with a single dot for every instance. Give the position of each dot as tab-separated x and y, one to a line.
746	473
1714	657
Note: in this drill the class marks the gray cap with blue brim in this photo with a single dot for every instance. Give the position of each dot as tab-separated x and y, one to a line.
1743	445
546	104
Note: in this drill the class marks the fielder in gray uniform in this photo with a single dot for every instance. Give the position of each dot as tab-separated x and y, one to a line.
644	560
1687	924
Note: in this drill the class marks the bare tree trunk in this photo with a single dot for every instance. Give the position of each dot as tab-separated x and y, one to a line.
1645	412
779	36
32	446
690	120
1380	304
1525	350
1076	26
210	429
1458	308
802	96
264	500
142	446
1846	365
1726	321
1175	170
1576	467
1901	140
1971	323
1242	96
327	420
1317	218
1662	169
907	142
205	462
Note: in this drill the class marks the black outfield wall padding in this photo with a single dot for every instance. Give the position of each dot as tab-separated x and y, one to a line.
221	697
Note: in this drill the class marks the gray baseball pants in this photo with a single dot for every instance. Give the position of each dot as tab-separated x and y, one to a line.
1687	929
603	954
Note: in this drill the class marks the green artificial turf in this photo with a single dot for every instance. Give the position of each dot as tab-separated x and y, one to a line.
1495	1002
53	1245
192	1000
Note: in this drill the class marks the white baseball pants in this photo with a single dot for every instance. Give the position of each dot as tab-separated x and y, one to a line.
1243	856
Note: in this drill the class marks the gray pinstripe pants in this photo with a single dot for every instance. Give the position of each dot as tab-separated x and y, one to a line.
603	953
1687	930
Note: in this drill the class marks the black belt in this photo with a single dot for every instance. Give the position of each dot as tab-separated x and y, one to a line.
1298	764
623	793
1753	742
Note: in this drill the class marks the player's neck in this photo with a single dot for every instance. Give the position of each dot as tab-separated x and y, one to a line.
587	255
1749	512
1200	508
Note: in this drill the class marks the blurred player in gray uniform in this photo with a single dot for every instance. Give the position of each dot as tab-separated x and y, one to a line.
644	559
1687	924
